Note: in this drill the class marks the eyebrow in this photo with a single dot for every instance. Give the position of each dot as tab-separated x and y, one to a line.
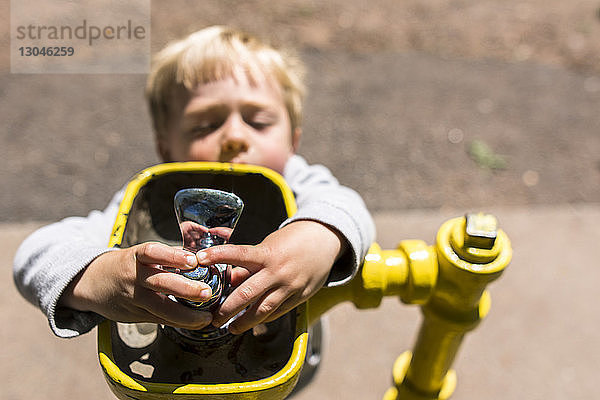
217	108
201	110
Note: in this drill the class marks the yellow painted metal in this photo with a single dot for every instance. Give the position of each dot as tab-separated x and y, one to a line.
471	253
144	177
384	273
410	272
447	280
274	387
399	392
422	271
125	387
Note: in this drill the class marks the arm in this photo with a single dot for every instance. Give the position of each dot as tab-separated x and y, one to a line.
50	258
325	242
130	285
67	271
321	198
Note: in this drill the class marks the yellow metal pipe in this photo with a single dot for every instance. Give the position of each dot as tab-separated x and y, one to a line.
409	272
471	253
448	280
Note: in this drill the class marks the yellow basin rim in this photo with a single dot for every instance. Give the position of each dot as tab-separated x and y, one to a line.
115	374
105	354
142	178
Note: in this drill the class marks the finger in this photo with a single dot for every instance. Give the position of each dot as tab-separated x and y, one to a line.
153	253
193	226
222	232
259	311
253	258
287	306
170	312
242	296
170	283
239	275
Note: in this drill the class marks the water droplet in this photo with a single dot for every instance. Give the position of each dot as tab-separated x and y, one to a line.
530	178
455	135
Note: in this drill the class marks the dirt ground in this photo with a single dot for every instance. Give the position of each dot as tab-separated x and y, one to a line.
429	104
554	31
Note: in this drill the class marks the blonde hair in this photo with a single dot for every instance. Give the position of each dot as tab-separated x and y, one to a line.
216	53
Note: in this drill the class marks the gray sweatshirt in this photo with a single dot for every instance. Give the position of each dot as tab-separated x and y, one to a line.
49	259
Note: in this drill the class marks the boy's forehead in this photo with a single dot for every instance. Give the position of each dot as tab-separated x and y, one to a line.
237	88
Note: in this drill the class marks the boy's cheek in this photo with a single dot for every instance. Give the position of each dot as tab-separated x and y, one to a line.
275	161
200	150
275	154
173	149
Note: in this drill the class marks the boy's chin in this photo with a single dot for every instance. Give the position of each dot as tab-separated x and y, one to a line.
277	166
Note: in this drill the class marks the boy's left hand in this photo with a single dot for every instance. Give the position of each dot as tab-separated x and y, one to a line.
273	277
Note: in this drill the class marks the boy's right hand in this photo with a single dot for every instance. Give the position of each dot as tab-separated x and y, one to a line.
128	285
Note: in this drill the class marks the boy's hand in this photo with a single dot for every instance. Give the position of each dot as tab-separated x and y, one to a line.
286	269
128	285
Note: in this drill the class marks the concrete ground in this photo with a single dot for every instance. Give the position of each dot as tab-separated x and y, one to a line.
538	342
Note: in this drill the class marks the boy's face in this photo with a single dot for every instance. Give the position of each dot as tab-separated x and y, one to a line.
232	120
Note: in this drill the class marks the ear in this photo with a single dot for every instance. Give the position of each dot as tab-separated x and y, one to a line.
296	135
163	150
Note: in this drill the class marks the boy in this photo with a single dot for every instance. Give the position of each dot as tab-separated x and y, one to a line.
218	95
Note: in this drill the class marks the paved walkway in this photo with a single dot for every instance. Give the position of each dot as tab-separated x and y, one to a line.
539	341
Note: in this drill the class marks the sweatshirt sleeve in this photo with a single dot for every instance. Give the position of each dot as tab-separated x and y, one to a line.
320	197
49	259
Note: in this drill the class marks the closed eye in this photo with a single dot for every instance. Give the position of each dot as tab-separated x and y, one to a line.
204	128
259	125
261	120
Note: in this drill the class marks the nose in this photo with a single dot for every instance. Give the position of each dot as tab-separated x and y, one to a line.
235	137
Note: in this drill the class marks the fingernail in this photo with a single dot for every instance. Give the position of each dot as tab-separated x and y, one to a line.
191	261
201	256
206	293
206	319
